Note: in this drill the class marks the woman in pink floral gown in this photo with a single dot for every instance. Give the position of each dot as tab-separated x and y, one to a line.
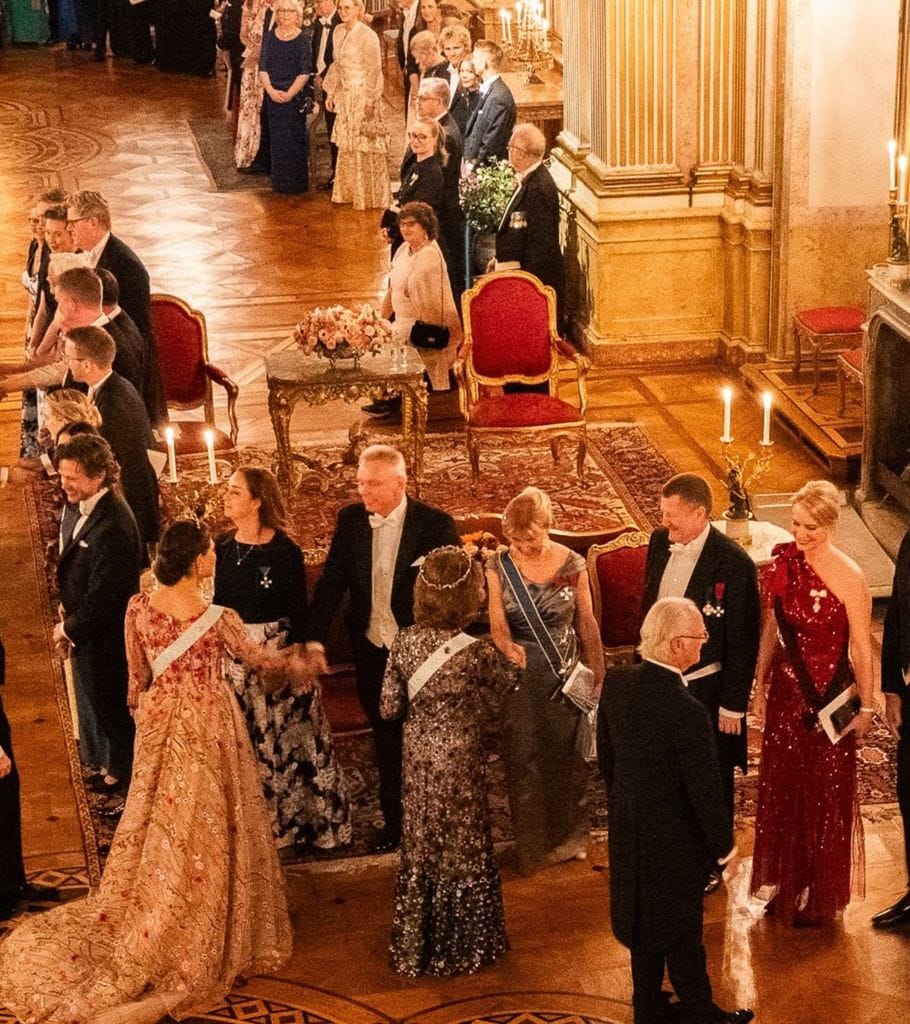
808	831
192	893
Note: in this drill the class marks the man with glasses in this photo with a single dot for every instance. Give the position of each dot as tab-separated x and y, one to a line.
688	557
668	817
528	234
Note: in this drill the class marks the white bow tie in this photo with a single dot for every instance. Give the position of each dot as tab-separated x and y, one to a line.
678	549
326	21
377	521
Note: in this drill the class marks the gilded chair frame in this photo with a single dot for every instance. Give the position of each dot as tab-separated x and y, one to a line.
212	372
622	653
470	381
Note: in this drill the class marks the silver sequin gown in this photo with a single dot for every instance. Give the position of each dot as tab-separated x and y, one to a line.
448	902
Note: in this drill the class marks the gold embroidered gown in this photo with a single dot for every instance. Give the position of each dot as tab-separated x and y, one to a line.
192	893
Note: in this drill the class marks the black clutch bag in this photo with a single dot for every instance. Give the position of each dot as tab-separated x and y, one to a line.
434	336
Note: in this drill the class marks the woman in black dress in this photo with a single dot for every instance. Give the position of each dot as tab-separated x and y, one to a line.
285	66
422	177
260	574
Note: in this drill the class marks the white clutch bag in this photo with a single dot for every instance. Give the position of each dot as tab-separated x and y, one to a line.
579	688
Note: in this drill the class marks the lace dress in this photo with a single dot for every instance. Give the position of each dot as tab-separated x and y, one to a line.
247	141
546	776
192	893
354	84
808	830
448	902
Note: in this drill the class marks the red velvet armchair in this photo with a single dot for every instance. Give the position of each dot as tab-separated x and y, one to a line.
617	574
510	337
183	352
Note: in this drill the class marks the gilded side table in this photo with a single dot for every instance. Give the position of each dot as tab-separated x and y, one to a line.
293	376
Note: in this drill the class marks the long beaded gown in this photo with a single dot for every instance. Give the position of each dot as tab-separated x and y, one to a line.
546	776
448	902
192	894
808	829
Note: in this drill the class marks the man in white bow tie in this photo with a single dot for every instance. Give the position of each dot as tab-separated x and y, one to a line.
688	557
375	554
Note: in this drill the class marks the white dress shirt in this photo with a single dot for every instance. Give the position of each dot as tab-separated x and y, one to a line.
86	508
383	628
93	388
323	43
681	565
94	254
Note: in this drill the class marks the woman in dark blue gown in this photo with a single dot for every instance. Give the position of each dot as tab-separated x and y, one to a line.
285	66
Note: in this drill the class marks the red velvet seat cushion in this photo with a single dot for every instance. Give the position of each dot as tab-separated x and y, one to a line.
854	358
621	580
832	319
190	438
522	410
510	329
180	352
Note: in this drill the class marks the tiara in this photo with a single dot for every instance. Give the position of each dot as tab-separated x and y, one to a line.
455	583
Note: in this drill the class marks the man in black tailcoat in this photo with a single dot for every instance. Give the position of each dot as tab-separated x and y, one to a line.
327	19
895	687
89	221
375	554
667	817
528	234
97	573
490	126
688	557
89	351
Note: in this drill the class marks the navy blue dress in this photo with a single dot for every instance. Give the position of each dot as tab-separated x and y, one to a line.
288	142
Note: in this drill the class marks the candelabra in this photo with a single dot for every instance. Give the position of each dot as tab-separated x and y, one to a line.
529	49
898	256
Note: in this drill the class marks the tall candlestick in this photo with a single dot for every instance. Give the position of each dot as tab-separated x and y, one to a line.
902	178
727	394
210	447
766	421
171	455
892	165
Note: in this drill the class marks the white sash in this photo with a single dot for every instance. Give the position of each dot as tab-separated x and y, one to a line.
436	660
186	639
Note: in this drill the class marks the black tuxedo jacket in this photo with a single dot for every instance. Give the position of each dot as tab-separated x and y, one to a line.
97	573
348	566
529	231
896	637
150	387
490	126
667	812
724	586
133	281
126	428
403	46
129	360
318	30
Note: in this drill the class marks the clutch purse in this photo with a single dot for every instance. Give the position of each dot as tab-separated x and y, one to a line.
579	688
837	714
434	336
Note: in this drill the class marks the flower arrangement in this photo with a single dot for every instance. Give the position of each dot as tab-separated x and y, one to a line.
481	545
337	332
743	471
485	194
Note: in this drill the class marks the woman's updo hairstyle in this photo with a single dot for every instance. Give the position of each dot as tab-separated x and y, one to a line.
532	507
180	545
821	499
448	590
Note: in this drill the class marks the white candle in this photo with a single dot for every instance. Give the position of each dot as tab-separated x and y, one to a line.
171	455
892	165
509	26
766	421
727	394
502	24
210	447
902	180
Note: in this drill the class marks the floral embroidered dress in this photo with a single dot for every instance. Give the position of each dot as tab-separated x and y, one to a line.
192	893
808	830
354	84
448	901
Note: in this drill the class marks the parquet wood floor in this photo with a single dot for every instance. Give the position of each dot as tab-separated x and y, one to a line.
252	261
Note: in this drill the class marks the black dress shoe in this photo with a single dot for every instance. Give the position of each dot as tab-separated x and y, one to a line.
386	841
327	186
895	915
713	1014
98	784
714	882
8	904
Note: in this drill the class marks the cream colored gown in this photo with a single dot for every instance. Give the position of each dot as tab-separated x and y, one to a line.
192	892
354	84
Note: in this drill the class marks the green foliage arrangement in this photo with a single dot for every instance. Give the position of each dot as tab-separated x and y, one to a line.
485	194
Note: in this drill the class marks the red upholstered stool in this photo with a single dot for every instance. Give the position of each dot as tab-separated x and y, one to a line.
828	328
849	367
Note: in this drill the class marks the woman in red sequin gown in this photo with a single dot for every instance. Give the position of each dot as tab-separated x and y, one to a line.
808	831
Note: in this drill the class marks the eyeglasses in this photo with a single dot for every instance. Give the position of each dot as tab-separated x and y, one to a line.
516	149
76	220
418	136
685	636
